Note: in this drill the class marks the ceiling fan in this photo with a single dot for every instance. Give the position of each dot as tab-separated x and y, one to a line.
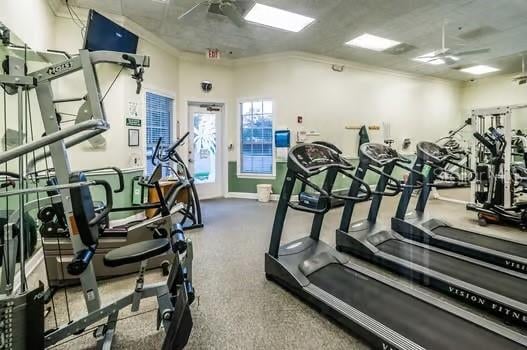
447	55
228	8
522	78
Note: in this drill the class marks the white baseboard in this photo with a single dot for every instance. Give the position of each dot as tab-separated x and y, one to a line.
247	195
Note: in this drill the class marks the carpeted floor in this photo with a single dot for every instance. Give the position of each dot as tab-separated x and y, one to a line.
237	308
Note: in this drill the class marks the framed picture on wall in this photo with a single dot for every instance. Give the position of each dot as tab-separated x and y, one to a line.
133	137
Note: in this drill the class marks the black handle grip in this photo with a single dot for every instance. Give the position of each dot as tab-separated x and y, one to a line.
80	262
179	242
109	203
131	59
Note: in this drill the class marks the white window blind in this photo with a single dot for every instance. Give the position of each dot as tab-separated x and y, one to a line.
158	124
256	141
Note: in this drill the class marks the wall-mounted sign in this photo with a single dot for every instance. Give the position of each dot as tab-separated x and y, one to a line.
133	137
133	122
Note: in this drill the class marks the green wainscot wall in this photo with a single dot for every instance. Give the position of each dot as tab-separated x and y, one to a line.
122	199
248	185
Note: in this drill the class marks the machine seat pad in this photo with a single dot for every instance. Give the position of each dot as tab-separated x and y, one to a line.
136	252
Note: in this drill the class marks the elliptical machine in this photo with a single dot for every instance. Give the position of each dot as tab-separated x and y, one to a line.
183	189
490	204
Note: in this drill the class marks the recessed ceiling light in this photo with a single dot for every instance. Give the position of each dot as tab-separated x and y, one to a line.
480	69
372	42
277	18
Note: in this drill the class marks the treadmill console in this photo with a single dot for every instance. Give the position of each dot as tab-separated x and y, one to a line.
379	154
430	151
308	158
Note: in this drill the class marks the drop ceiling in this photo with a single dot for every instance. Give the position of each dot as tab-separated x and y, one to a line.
500	25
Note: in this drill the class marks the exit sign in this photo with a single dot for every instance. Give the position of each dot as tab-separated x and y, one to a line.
213	54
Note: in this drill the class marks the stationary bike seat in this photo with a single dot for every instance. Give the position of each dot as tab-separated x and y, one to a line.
136	252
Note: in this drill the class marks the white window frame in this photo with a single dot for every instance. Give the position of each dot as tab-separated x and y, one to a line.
173	123
240	174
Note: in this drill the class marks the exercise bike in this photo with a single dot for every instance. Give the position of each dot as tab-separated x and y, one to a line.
183	188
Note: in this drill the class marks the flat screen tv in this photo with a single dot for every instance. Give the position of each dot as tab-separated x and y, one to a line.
104	34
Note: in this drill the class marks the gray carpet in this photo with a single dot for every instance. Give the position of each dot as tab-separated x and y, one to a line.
237	308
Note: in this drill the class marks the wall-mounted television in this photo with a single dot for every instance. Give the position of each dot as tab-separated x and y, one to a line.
104	34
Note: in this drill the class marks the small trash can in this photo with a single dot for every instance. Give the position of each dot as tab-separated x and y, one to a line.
264	192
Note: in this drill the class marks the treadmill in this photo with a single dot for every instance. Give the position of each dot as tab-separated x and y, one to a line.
493	289
380	310
312	199
417	226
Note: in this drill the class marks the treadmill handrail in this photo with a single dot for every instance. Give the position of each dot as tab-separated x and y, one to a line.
396	183
418	173
367	190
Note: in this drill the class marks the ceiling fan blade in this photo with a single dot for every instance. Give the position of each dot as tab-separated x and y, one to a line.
230	10
471	52
450	60
199	5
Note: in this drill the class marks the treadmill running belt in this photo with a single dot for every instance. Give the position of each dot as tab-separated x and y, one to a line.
482	240
417	320
510	286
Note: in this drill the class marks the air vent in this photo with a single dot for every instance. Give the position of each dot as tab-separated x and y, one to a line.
478	33
400	49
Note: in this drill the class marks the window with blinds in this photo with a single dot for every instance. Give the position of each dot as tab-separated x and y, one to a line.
158	124
256	138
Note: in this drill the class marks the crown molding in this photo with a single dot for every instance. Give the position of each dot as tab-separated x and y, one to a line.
309	57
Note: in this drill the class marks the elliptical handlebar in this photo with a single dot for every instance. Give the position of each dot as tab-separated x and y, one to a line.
99	217
176	144
118	171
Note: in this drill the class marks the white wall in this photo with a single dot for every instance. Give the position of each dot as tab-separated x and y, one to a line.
161	77
496	91
31	20
23	18
302	85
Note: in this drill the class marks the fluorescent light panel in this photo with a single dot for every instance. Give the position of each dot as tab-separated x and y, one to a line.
277	18
480	69
372	42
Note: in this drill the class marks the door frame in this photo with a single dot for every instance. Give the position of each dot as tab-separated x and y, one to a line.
224	157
